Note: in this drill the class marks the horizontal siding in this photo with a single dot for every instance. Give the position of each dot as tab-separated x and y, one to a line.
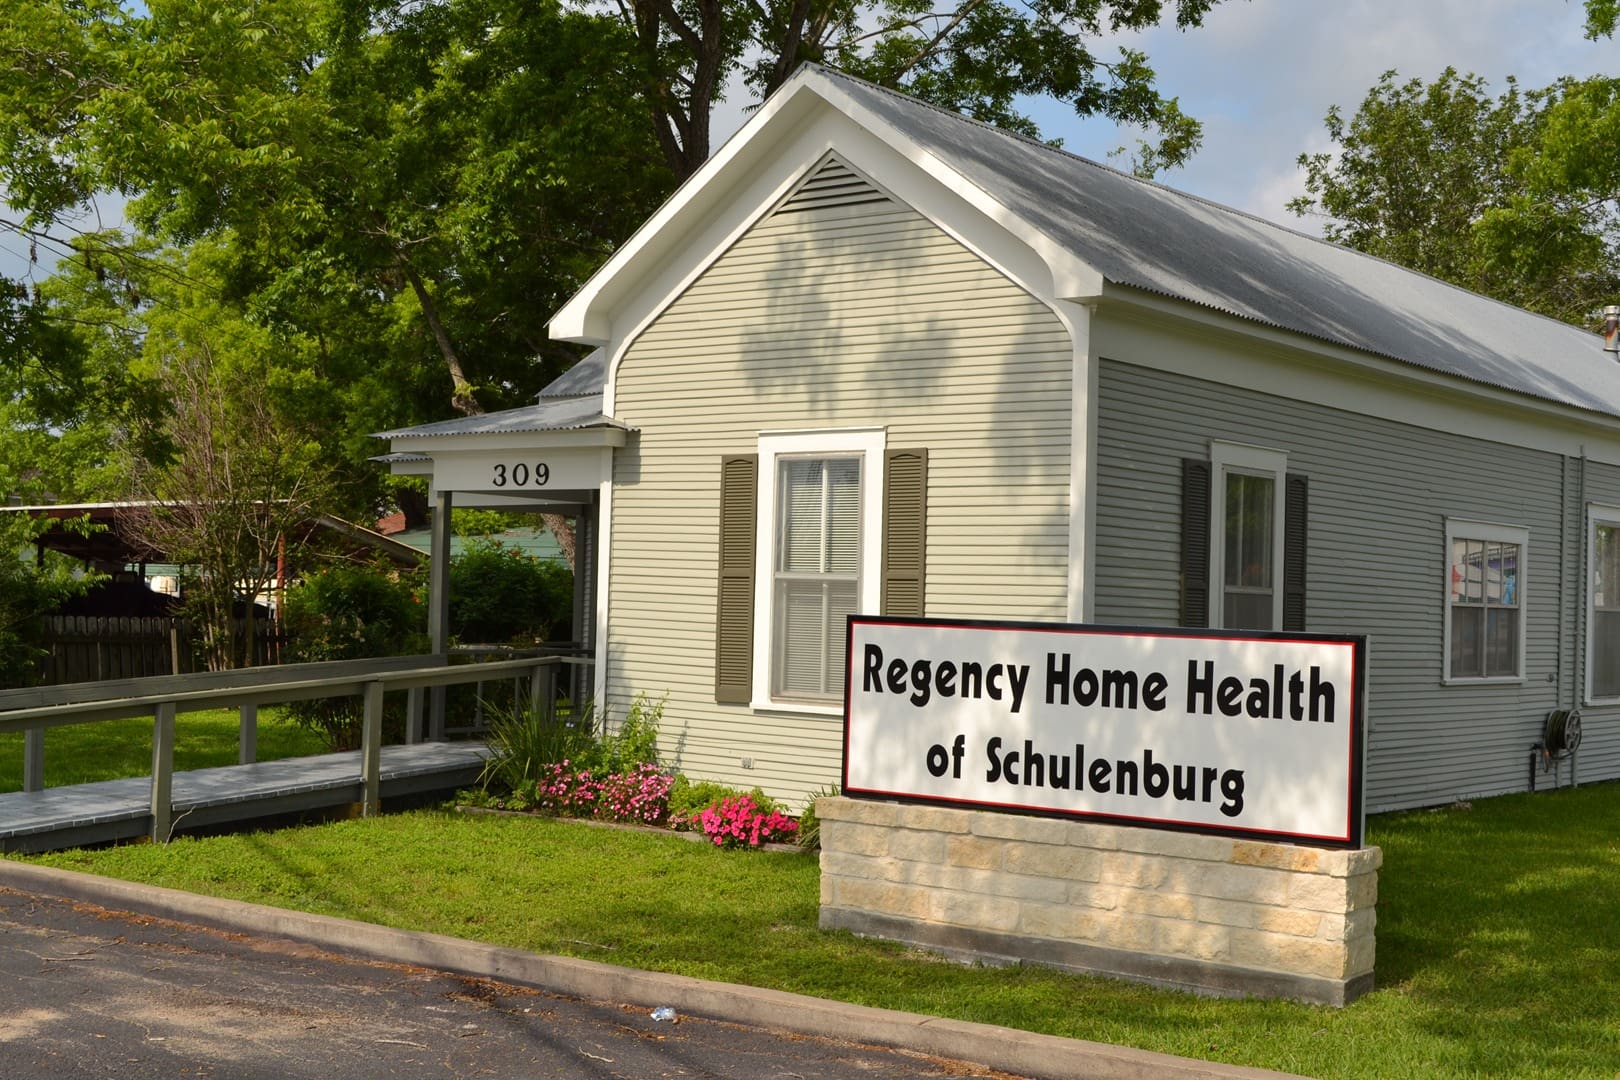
1599	756
831	316
1379	494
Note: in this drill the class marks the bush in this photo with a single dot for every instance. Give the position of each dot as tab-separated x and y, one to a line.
809	824
346	612
499	595
740	822
527	744
688	799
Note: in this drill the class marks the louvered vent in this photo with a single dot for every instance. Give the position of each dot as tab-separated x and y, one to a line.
834	184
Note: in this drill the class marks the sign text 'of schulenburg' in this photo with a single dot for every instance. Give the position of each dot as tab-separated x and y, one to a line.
1231	732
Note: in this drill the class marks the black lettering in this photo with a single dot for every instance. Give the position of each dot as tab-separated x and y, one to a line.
1259	697
1210	774
990	749
1200	686
945	678
1227	697
1125	775
919	683
938	760
992	680
1086	688
1321	694
1153	688
1232	791
1296	692
1057	680
1060	772
972	681
1119	689
1098	775
1155	777
1184	789
1034	766
897	676
872	681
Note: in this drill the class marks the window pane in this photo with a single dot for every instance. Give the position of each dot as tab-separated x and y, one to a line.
1501	641
818	573
1249	502
1605	570
1248	610
1459	570
1467	655
1507	569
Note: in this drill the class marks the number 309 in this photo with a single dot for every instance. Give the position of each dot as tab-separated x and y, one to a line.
521	475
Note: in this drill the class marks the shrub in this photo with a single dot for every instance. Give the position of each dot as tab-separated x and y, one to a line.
639	796
499	595
740	822
809	824
526	742
347	612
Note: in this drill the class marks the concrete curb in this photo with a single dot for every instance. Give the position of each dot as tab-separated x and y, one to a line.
1004	1049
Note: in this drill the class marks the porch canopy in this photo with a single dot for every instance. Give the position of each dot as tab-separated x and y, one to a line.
551	457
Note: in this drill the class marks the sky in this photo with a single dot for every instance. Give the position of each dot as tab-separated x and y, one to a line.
1262	74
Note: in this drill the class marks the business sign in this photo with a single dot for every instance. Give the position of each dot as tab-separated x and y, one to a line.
1254	734
529	473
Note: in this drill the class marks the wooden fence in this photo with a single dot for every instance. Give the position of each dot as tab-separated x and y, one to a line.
93	648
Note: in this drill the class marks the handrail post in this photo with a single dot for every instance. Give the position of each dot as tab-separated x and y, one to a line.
413	715
537	688
162	771
34	759
247	739
371	751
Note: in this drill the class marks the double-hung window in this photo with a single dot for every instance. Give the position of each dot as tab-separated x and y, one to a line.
818	555
1246	537
1485	600
1603	600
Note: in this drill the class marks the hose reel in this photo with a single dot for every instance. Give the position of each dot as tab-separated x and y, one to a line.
1560	738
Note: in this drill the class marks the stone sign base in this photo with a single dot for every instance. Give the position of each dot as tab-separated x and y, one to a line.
1210	914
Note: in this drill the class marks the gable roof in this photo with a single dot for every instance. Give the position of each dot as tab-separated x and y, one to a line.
1149	237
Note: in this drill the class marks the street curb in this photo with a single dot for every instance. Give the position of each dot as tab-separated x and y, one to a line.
999	1048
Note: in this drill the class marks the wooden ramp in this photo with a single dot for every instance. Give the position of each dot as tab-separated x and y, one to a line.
81	814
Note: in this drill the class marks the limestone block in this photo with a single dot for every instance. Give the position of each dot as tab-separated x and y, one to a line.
882	897
1224	912
1255	884
1059	922
855	839
1281	952
1132	869
1102	897
1069	863
1179	845
1020	827
934	818
975	852
1290	921
1278	856
969	909
1160	905
917	846
1194	941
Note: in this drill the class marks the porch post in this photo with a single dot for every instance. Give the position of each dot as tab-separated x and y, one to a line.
439	604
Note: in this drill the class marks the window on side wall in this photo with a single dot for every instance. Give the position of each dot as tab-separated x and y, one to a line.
1485	601
1603	605
1244	534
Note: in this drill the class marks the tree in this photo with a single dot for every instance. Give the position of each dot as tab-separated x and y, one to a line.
973	56
1478	190
230	493
30	590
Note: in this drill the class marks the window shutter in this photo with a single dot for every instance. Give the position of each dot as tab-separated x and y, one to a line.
1195	475
734	606
1294	544
905	531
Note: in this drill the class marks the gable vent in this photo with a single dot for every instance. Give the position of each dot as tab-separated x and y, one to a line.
834	184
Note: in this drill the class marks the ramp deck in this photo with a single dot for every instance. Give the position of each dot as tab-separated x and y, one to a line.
82	814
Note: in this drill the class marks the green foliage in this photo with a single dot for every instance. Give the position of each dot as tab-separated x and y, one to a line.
346	612
1512	196
688	798
500	595
1602	17
527	741
28	592
809	825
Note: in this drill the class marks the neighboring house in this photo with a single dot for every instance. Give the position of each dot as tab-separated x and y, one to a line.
875	357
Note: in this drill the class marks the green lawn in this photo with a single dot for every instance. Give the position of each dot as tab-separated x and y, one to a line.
115	749
1498	946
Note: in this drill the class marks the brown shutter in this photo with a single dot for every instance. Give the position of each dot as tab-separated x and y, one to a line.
734	606
1294	544
1195	474
905	531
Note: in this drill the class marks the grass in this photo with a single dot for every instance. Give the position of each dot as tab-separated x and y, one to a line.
1498	948
116	749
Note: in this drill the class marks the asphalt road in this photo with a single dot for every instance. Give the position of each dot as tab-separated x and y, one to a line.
89	992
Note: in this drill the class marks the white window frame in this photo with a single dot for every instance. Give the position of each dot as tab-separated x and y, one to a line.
865	443
1596	516
1224	458
1503	534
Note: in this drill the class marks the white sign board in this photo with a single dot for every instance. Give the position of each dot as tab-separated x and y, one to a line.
516	472
1256	734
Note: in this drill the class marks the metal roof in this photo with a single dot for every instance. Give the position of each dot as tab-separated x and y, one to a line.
1150	237
552	414
589	376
